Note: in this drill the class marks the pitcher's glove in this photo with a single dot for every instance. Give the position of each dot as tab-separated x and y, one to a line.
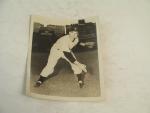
87	44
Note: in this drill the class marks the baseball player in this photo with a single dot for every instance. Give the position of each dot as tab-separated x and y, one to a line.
63	49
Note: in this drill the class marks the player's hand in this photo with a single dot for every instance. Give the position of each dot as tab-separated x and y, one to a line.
83	67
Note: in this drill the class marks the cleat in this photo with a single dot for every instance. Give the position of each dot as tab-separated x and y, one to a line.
38	84
81	79
40	81
81	84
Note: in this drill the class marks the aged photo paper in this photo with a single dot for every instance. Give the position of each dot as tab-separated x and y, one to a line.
64	59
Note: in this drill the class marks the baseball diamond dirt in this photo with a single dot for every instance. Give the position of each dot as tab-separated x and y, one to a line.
63	82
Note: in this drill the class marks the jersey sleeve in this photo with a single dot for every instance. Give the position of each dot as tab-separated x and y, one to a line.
69	56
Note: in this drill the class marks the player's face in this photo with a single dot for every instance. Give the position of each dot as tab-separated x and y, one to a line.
73	35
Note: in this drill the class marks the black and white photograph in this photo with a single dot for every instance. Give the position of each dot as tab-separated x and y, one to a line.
64	59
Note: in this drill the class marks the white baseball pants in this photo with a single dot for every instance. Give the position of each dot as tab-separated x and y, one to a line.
53	58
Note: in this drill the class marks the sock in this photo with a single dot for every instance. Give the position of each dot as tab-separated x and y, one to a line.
80	77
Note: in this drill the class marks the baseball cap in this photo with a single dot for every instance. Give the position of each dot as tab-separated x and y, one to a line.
73	29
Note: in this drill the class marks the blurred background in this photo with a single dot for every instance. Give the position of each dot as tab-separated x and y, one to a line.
45	36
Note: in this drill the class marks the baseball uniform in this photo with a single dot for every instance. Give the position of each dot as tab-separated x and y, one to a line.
60	50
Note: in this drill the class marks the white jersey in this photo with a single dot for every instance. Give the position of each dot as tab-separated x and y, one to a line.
65	44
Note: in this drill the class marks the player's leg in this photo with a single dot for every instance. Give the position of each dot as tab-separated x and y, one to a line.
79	73
79	70
81	77
49	68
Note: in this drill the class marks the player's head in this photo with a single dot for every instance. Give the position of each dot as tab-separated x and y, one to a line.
73	33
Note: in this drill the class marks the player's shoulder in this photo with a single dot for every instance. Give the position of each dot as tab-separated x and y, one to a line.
65	37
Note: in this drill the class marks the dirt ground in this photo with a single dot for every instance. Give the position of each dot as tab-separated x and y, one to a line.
63	82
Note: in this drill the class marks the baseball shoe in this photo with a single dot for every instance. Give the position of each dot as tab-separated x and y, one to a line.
38	84
81	83
40	81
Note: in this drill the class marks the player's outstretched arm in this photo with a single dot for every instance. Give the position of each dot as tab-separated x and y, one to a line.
87	44
70	56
